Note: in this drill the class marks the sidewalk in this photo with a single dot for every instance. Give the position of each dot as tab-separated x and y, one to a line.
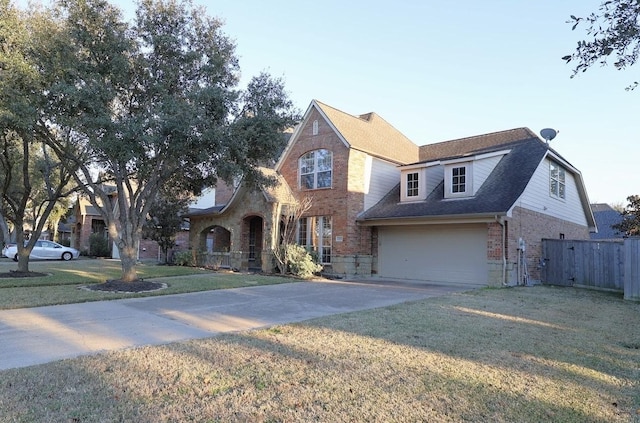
44	334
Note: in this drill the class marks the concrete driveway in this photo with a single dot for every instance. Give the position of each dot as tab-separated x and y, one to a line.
44	334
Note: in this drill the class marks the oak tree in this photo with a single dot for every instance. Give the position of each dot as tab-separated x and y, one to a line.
33	180
151	103
630	225
613	36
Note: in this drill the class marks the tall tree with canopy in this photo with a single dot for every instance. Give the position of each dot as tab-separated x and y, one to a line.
155	103
166	219
614	36
32	179
630	225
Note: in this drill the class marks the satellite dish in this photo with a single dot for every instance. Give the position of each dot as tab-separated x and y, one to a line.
548	134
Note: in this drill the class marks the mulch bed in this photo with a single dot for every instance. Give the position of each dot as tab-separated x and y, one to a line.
16	274
116	285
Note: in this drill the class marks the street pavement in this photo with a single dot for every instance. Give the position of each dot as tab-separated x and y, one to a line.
43	334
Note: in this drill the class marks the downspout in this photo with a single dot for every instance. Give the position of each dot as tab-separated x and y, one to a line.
501	222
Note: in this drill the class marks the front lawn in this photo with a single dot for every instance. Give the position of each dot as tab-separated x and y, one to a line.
499	355
64	279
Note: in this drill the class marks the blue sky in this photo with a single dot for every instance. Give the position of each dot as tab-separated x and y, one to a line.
444	70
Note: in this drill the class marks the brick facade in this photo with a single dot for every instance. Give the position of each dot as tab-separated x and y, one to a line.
224	192
532	227
354	247
88	221
351	244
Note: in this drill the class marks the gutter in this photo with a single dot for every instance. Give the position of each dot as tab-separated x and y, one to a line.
429	220
501	222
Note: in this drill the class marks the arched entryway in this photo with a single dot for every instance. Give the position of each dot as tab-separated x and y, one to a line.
214	245
252	241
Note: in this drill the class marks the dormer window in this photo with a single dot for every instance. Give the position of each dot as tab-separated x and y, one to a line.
458	180
315	169
412	184
557	178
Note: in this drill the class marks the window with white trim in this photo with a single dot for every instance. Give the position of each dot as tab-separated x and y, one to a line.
459	180
315	234
412	184
315	169
557	180
314	127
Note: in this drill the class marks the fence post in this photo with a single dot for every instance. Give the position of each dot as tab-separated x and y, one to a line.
632	269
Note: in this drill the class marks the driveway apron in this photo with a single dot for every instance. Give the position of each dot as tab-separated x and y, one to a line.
43	334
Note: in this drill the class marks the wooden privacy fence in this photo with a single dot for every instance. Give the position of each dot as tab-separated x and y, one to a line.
609	265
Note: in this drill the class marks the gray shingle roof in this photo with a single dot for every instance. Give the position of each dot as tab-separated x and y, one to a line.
606	217
280	192
473	145
497	195
372	134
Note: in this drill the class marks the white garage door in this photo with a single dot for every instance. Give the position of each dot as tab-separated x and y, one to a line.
437	254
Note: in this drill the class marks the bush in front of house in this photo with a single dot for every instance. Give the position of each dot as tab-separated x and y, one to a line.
99	246
183	258
301	262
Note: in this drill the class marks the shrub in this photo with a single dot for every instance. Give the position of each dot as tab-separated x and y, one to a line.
99	246
183	258
301	262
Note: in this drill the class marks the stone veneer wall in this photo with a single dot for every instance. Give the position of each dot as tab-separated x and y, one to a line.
252	203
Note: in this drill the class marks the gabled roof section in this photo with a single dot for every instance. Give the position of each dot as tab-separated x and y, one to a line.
474	145
496	196
606	216
278	193
371	134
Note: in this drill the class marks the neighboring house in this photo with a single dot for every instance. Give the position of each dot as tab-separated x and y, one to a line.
88	221
606	216
472	210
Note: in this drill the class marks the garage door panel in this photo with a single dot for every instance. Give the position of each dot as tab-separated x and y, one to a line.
434	253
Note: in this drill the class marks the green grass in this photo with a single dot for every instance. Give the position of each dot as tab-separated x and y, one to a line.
64	280
500	355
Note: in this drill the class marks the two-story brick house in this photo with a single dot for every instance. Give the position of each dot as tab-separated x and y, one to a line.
472	210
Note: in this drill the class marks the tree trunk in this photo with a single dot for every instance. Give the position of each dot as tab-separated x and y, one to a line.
165	252
128	259
6	234
23	263
23	253
126	238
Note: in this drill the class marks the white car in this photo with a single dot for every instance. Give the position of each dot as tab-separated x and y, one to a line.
44	250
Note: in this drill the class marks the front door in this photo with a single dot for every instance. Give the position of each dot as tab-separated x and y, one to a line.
255	243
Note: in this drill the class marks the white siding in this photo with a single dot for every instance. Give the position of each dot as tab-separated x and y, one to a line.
206	200
380	177
482	168
536	197
435	175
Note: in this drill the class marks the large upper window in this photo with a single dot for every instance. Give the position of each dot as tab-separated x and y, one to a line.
412	184
314	233
315	169
556	181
